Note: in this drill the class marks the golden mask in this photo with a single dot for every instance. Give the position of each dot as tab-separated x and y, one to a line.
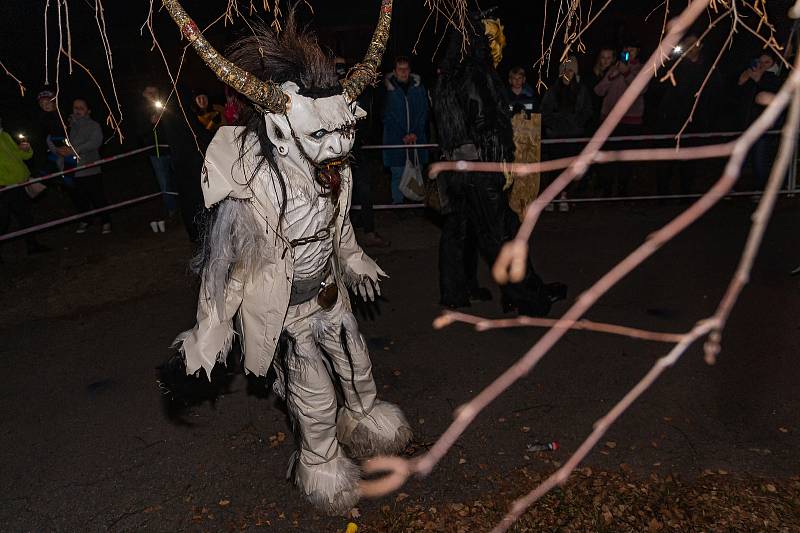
493	30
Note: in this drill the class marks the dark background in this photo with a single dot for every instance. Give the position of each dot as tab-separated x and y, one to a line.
345	30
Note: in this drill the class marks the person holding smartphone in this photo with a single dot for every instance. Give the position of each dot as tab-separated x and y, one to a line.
616	81
611	89
757	83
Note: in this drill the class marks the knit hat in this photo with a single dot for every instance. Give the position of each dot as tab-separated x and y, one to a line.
46	93
571	63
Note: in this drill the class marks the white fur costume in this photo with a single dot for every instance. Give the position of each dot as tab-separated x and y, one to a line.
321	347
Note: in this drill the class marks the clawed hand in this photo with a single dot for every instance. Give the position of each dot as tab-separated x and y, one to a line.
367	280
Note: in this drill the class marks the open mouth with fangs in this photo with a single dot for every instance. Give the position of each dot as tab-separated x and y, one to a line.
328	174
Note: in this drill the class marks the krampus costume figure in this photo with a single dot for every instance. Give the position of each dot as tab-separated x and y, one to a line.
280	252
473	124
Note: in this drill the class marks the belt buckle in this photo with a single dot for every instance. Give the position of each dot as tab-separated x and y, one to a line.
328	295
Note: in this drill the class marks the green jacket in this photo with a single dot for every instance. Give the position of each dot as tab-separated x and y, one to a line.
12	168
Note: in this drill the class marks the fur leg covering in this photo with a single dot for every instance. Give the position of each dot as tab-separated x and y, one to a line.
384	431
331	487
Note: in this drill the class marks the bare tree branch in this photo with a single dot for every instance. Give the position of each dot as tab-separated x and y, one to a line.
712	325
10	75
400	469
646	154
483	324
111	120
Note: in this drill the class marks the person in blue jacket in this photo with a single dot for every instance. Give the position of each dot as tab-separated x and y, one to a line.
405	121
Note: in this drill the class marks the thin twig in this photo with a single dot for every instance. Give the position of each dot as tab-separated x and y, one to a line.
10	75
645	154
484	324
111	120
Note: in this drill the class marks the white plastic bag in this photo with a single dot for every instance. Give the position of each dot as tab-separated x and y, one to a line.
411	183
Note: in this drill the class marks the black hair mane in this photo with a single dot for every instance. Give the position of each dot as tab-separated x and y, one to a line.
291	55
473	71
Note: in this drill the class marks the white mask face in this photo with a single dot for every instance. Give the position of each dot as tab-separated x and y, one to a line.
324	128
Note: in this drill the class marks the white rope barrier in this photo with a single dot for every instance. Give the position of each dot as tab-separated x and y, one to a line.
599	199
380	207
578	140
82	167
73	218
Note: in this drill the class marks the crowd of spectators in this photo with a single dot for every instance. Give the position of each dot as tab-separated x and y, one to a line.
572	104
575	102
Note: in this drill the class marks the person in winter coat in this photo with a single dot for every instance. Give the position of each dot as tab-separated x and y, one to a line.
567	105
611	88
85	139
521	96
603	62
676	105
566	113
188	141
49	132
616	82
405	121
763	78
14	202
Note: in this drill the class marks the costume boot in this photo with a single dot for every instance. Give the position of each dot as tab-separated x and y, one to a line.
320	468
366	426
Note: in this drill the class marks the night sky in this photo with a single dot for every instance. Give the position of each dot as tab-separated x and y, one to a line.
345	30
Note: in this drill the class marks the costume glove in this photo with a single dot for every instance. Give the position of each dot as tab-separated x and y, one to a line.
364	276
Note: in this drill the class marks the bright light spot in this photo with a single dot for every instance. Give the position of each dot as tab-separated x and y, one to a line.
677	50
21	136
159	104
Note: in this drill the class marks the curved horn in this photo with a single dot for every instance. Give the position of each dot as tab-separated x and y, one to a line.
264	93
364	73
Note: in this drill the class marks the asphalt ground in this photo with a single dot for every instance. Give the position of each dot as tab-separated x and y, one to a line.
85	446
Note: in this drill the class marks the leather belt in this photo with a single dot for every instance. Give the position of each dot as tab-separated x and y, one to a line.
304	290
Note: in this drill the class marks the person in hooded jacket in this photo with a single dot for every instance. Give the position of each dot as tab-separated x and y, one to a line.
405	121
566	113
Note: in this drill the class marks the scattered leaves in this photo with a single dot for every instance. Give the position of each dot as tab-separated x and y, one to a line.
277	439
614	501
